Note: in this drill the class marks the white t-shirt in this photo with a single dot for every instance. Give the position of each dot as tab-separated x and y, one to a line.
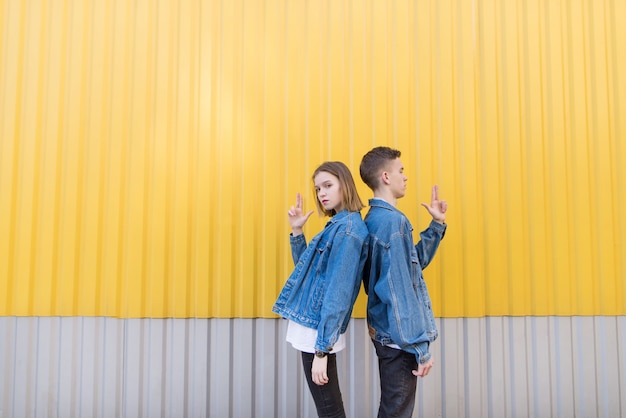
303	338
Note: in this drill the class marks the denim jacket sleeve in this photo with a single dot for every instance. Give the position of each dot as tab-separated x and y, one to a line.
429	242
399	290
298	246
345	267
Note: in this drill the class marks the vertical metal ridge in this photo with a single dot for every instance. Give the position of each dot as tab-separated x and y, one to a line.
170	182
194	139
3	69
150	160
619	129
14	193
122	210
4	254
35	224
104	137
238	152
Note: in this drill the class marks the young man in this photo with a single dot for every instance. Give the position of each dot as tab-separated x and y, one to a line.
399	312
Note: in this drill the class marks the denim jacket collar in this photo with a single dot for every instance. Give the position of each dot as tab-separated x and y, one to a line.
338	216
382	203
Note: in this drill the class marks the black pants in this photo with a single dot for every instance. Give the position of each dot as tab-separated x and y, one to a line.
397	382
327	397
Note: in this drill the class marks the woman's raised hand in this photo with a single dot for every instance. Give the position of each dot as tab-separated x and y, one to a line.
297	218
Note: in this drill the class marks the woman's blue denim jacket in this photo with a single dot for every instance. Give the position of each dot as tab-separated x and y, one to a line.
321	291
399	309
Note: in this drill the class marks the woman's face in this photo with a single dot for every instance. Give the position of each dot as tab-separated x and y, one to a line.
328	191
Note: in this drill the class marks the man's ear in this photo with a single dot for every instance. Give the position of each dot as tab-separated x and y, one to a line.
384	177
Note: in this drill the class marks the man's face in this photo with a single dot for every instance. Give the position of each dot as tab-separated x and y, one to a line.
397	179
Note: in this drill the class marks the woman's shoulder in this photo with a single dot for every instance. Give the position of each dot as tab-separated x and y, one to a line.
354	224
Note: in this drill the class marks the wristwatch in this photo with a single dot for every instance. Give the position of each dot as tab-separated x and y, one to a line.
320	354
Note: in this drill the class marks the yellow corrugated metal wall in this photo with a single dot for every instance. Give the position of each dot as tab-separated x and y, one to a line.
149	150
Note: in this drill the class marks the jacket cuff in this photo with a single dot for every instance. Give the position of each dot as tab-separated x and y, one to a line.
323	346
296	239
440	228
423	355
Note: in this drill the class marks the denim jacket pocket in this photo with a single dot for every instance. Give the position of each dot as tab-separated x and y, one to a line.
322	249
415	272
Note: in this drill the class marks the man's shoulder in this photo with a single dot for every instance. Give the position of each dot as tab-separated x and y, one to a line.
384	223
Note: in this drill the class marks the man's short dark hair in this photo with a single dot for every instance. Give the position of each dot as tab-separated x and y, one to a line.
374	162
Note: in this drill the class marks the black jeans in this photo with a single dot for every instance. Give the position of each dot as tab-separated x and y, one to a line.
397	382
327	397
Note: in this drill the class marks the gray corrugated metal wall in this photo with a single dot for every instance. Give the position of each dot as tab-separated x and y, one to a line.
485	367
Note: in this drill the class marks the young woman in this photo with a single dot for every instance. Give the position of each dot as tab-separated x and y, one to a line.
318	296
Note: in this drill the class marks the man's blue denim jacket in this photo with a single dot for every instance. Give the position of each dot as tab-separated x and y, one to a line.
321	291
399	309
